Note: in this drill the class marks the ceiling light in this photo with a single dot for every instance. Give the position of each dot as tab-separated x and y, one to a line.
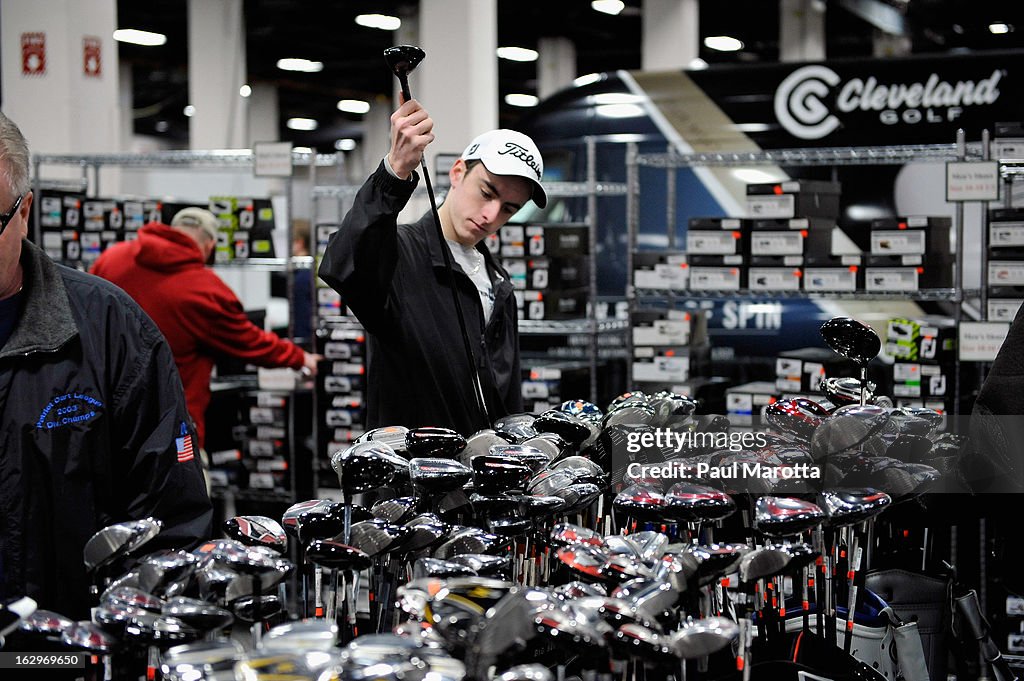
999	28
616	98
518	99
382	21
697	64
753	127
301	124
958	29
303	150
189	111
608	6
303	65
723	43
245	90
356	106
517	54
755	176
347	144
136	37
587	79
619	110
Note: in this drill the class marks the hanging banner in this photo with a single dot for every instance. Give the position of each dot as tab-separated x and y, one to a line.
92	65
846	102
33	54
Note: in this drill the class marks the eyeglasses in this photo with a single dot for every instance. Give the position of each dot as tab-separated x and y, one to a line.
5	218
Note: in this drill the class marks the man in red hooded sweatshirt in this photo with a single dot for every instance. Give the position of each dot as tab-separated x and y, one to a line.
165	271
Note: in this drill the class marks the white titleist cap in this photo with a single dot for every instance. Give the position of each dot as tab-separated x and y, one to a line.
507	152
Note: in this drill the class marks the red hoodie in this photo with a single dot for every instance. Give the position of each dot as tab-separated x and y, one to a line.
201	317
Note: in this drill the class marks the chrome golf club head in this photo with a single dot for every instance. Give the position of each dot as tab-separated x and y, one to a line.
257	530
201	660
116	541
783	516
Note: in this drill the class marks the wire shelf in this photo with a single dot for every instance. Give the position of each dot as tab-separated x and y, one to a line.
219	158
938	294
825	156
570	326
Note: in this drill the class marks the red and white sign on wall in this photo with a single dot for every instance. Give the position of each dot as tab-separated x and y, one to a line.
92	65
33	54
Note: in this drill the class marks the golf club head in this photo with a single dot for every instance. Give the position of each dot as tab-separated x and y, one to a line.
852	339
89	637
118	540
403	59
782	516
302	635
257	530
212	659
198	614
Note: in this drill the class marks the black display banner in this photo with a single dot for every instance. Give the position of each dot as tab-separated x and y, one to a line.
913	100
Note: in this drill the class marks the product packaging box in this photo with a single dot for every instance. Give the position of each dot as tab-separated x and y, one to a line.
669	327
661	270
793	199
911	235
804	370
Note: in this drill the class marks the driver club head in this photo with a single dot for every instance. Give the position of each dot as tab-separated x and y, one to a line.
402	59
852	339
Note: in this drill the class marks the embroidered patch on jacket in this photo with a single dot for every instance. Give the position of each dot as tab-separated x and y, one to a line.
183	445
67	410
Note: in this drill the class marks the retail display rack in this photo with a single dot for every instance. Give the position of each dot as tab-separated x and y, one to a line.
671	161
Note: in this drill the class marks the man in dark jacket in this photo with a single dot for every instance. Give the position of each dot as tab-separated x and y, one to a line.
93	424
393	278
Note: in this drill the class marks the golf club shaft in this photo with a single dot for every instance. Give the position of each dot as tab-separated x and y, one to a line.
445	253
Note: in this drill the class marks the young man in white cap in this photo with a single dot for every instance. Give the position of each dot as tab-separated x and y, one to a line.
165	271
393	279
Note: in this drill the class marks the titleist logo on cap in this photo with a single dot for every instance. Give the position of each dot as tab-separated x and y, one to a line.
522	154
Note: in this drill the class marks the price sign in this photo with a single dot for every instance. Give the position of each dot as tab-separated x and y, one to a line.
980	341
272	159
972	181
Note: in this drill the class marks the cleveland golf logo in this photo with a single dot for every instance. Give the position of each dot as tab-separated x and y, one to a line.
808	100
520	152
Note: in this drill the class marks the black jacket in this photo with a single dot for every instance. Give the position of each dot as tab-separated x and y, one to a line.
394	280
995	460
91	416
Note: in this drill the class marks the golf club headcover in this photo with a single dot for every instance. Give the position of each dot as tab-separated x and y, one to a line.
974	625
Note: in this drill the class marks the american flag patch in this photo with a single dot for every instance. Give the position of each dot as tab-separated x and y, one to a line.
184	447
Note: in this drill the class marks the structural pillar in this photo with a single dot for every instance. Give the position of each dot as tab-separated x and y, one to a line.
671	34
263	114
60	74
556	66
458	80
216	71
376	140
801	30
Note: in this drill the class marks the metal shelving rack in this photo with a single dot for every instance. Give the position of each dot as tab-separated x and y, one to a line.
826	156
215	159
